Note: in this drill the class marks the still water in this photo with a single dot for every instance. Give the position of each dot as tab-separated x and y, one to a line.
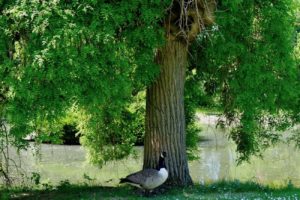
280	165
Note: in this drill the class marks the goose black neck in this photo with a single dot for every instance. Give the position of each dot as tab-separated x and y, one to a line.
161	163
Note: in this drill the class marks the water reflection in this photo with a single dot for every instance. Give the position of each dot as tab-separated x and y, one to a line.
218	161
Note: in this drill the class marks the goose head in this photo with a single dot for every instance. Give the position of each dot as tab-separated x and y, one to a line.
161	162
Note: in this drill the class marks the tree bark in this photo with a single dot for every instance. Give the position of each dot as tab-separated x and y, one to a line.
165	119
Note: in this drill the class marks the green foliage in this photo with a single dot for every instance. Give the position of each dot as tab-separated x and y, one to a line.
136	121
90	55
35	178
249	55
90	58
193	98
64	184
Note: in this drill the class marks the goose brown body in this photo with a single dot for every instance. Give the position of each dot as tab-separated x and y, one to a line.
149	179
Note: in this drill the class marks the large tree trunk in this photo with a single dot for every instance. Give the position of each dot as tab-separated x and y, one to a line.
165	119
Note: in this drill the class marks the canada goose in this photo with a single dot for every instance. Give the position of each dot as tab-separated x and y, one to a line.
149	179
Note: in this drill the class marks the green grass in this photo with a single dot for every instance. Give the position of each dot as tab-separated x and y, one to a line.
220	190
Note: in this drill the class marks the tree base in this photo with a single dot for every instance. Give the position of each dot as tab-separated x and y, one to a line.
175	182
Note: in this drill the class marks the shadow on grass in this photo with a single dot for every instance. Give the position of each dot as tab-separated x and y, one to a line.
66	192
218	190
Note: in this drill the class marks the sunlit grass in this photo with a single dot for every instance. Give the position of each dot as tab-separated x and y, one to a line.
219	190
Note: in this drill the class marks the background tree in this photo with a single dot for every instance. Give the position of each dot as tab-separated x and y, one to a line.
89	59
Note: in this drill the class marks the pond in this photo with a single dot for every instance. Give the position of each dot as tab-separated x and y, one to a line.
217	162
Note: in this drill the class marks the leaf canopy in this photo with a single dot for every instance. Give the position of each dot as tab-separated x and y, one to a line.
249	58
88	58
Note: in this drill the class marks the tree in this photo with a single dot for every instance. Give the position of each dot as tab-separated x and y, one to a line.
90	59
165	118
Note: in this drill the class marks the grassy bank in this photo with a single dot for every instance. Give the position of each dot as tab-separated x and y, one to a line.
220	190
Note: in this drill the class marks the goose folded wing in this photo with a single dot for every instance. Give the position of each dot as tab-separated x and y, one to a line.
142	176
